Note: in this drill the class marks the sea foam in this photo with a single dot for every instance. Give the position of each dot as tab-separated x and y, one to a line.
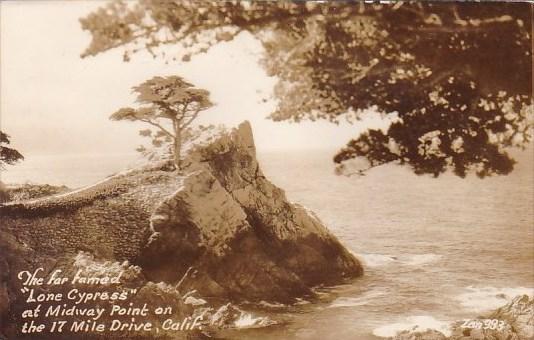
421	259
247	320
376	260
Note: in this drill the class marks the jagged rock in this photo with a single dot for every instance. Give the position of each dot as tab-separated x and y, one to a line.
461	333
239	231
190	300
425	335
14	256
147	293
514	321
230	316
226	316
519	313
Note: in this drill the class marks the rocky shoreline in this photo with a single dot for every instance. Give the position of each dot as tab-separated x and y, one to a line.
25	192
513	321
202	241
219	228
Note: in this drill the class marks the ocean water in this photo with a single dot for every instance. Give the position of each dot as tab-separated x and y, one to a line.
434	250
72	170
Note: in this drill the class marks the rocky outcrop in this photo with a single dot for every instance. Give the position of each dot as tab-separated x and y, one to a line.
425	335
239	232
110	219
219	227
212	319
514	321
519	314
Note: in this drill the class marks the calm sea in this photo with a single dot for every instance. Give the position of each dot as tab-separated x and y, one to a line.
435	250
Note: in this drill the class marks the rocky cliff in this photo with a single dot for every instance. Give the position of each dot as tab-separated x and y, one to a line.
239	231
219	227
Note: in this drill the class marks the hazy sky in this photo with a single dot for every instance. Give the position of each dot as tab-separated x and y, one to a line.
52	101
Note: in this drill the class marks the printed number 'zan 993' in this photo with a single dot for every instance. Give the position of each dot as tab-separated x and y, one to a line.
493	324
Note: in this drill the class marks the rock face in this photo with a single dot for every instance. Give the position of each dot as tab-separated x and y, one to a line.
515	321
239	232
220	227
519	313
426	335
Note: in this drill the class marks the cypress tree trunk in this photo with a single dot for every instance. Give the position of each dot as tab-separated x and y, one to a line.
178	149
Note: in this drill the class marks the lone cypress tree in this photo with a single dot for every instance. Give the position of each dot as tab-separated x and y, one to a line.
170	104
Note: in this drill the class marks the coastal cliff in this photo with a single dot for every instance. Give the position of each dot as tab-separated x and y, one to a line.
239	231
218	227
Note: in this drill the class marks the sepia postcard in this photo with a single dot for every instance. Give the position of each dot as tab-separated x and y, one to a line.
242	170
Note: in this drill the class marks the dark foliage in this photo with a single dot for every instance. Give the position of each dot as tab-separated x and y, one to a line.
8	156
457	75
